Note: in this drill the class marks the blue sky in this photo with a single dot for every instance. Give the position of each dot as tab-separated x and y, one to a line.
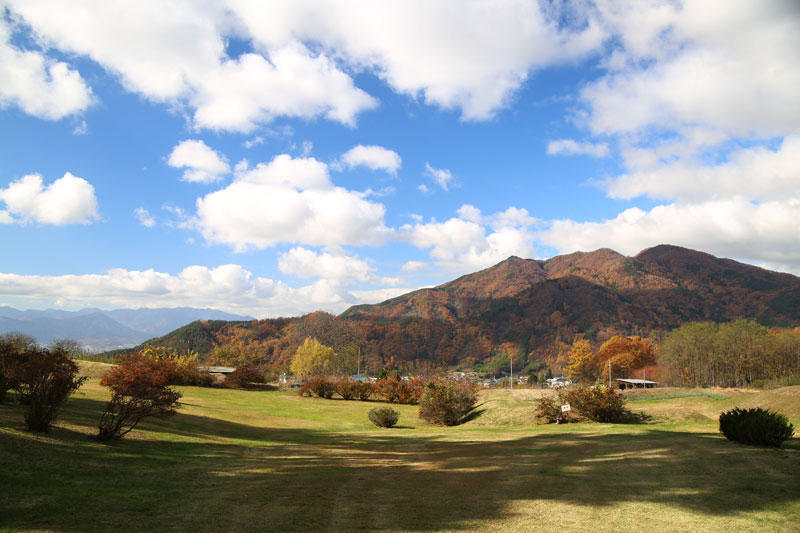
274	159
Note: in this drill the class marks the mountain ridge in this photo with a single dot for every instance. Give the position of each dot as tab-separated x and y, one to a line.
532	308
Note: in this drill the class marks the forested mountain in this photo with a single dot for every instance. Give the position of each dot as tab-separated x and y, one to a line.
532	309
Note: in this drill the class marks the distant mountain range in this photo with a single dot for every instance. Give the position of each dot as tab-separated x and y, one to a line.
104	330
532	308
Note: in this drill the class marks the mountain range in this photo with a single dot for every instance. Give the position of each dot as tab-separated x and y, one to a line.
104	330
530	308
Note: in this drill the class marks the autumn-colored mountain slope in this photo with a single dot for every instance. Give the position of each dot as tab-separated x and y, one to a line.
534	308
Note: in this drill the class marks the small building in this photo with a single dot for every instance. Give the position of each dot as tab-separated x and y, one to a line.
625	383
557	383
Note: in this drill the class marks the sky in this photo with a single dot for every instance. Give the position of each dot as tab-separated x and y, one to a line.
276	158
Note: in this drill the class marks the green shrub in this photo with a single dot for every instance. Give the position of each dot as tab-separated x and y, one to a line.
755	426
447	403
384	417
601	404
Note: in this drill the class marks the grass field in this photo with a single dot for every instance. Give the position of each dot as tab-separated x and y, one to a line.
259	460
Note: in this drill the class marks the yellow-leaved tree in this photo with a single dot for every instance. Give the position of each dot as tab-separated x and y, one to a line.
578	364
315	359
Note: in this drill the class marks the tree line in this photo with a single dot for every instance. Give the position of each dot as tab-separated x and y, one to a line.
696	354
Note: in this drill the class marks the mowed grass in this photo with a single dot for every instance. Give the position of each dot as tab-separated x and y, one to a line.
260	461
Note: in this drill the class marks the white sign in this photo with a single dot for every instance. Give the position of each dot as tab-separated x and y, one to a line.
565	408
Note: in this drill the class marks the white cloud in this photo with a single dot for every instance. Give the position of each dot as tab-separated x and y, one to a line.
68	200
177	55
733	66
227	287
37	84
441	176
459	245
288	200
757	172
731	227
305	263
372	157
413	266
470	59
203	164
81	129
241	93
144	217
255	141
570	147
423	188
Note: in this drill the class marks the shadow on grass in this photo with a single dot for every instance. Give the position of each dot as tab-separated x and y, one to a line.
232	476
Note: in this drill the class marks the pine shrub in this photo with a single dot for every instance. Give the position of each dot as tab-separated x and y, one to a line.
755	426
384	417
447	403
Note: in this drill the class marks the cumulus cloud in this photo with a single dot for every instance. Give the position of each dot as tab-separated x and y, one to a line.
733	66
461	245
441	176
68	200
304	53
305	263
177	55
288	200
756	172
203	165
37	84
570	147
372	157
731	227
227	287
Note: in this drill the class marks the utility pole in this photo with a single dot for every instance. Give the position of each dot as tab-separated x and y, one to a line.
609	373
358	364
512	372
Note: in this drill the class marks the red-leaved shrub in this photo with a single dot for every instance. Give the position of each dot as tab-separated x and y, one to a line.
139	388
447	402
393	389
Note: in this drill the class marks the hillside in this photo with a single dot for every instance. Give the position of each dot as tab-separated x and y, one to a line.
531	308
103	330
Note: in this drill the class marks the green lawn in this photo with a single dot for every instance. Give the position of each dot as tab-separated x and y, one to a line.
257	460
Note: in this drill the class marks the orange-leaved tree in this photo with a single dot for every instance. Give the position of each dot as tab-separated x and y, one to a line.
625	355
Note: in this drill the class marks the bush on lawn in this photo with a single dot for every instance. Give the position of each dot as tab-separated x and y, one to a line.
244	376
755	426
447	402
548	409
601	404
393	389
318	386
384	417
139	388
364	390
45	379
347	388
